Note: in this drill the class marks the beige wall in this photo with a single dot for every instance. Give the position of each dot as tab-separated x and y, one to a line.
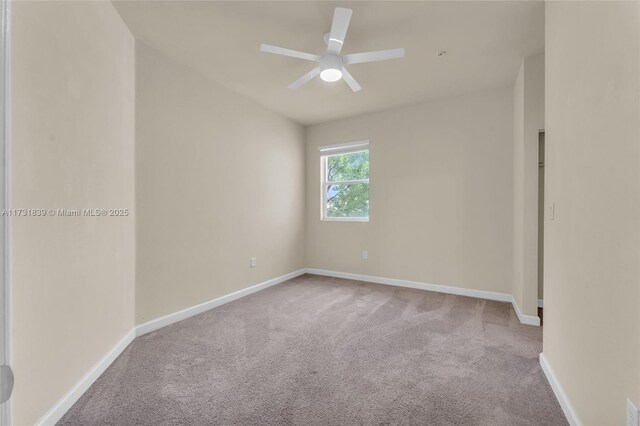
592	247
72	148
441	194
219	179
528	120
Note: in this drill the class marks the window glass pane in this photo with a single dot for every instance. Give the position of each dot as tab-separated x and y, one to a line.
348	200
349	166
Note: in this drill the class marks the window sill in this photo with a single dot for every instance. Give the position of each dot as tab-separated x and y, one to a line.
345	219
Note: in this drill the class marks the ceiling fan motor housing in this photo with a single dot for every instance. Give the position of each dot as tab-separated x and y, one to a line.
331	61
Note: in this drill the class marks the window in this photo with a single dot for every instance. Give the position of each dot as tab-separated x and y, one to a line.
345	182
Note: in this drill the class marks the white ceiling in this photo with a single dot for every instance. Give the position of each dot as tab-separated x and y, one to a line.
485	41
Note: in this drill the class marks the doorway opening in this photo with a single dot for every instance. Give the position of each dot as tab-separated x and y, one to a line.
540	224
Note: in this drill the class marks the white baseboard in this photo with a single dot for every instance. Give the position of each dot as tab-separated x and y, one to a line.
70	398
169	319
480	294
561	396
525	319
540	303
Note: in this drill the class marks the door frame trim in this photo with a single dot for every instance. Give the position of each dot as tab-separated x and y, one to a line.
5	135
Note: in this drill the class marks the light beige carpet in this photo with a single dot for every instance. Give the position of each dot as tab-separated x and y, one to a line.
324	351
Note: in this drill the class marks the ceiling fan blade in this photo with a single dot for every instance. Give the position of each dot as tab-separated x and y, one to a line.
339	26
379	55
351	82
305	78
289	52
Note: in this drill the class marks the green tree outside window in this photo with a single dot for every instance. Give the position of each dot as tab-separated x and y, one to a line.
347	185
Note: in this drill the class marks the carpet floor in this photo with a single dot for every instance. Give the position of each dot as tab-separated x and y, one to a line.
328	351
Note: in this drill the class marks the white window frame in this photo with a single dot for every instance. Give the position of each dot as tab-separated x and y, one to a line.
325	152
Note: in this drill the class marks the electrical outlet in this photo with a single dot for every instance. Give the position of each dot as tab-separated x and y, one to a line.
365	255
632	414
252	262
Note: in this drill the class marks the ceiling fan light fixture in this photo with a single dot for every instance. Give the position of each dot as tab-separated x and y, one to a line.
331	75
331	68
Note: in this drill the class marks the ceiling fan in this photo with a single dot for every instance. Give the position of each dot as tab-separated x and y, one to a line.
331	64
